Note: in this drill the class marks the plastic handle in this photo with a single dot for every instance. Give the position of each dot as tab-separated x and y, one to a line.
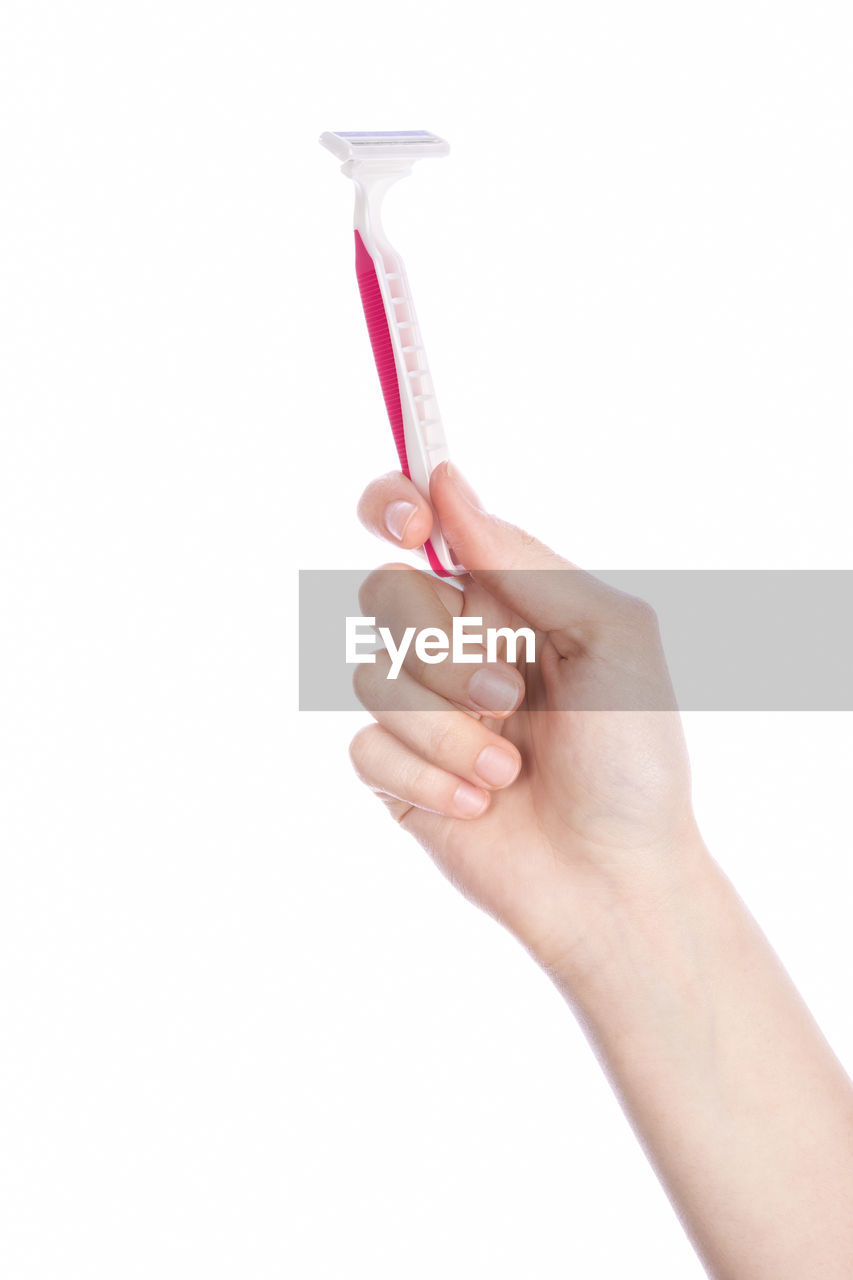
383	350
400	359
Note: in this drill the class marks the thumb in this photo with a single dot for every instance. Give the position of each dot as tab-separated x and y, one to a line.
545	589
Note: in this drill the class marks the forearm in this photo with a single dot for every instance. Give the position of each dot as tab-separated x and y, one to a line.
742	1107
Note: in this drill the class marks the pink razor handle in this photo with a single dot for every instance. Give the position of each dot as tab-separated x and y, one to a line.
386	366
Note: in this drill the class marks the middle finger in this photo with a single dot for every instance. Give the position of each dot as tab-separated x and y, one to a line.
402	597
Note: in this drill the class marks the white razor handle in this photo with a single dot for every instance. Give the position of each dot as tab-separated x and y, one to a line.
374	162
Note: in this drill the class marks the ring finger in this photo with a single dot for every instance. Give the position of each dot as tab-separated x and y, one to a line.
441	734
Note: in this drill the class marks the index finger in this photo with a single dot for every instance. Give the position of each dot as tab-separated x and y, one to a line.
393	509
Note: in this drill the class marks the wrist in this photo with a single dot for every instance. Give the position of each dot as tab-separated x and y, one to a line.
646	907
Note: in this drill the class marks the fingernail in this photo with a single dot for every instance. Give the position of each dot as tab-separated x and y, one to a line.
496	767
454	474
493	690
468	801
397	516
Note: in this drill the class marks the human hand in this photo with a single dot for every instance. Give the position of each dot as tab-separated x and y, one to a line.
592	809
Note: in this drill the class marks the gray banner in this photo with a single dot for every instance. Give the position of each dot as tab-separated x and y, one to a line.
735	640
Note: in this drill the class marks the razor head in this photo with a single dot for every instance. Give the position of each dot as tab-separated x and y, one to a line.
405	145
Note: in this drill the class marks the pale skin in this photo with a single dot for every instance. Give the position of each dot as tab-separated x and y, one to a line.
587	849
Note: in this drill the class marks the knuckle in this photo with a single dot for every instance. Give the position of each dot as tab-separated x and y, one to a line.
639	614
444	737
398	809
419	670
369	682
362	681
367	593
413	776
646	614
379	582
361	749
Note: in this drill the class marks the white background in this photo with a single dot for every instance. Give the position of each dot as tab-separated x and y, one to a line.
247	1029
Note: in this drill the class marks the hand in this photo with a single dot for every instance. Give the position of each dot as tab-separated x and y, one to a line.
588	851
543	808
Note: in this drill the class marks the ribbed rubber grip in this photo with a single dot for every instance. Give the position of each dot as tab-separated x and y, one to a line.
380	341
